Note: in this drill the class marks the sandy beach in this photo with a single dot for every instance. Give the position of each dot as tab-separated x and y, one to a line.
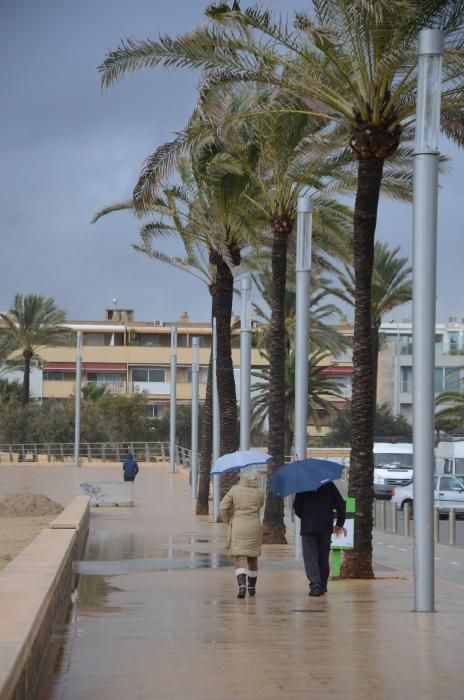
22	517
16	533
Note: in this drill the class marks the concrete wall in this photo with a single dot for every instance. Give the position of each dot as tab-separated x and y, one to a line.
35	598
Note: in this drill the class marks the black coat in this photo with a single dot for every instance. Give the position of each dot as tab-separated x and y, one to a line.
315	508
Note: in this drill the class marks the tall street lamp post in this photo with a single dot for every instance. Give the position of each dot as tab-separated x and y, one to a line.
245	364
77	411
397	374
303	291
216	433
194	440
173	388
425	198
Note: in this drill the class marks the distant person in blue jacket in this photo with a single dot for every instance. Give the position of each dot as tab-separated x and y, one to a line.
130	467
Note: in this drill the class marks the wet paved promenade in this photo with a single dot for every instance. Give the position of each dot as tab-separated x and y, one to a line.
157	617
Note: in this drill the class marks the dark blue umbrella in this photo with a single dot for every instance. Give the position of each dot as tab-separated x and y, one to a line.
304	475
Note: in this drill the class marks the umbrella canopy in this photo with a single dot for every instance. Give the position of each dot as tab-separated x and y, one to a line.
304	475
239	460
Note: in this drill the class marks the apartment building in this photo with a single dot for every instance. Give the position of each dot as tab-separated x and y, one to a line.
395	362
133	357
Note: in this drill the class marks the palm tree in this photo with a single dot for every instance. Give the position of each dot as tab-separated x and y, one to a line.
325	341
278	178
207	212
32	323
174	221
353	65
10	390
92	391
453	402
391	287
321	388
268	156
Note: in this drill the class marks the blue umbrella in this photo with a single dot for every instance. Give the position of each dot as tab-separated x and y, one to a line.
304	475
239	460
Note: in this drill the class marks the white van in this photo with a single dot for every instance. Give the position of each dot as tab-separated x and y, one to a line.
449	457
392	467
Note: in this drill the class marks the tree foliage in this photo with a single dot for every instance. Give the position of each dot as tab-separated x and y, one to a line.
32	323
387	427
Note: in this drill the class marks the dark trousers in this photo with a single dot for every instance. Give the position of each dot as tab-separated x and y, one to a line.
316	550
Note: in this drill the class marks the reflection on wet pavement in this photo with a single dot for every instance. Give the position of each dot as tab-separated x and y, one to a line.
181	562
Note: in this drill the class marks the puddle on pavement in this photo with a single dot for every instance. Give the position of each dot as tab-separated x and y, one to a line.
107	545
191	560
92	592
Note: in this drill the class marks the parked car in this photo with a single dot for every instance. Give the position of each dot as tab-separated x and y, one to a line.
448	494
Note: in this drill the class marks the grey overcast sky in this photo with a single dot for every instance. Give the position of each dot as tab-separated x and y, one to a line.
67	149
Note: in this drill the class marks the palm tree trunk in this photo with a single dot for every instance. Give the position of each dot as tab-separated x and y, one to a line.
26	377
222	312
273	524
357	562
206	446
289	434
375	362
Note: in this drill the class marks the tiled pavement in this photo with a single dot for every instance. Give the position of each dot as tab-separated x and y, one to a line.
157	618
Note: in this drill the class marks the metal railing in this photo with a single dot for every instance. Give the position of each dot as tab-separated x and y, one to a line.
110	387
92	451
388	522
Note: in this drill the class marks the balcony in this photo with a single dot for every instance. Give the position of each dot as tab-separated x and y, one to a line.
151	388
110	387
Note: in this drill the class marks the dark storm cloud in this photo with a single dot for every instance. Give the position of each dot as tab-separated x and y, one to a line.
67	150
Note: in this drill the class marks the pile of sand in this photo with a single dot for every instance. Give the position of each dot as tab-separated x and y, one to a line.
21	505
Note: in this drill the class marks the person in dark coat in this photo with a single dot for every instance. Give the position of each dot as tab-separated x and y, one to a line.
315	509
130	467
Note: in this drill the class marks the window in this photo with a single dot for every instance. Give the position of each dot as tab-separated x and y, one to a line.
149	375
204	341
344	382
406	380
459	465
346	355
182	340
154	411
439	343
406	345
438	379
389	458
148	339
54	376
452	379
453	342
98	339
449	483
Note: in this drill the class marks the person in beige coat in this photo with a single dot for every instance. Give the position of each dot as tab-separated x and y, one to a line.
240	508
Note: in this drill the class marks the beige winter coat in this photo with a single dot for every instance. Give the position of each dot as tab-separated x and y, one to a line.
241	507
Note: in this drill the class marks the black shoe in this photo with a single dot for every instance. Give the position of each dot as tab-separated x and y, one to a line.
241	580
315	591
252	586
323	590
